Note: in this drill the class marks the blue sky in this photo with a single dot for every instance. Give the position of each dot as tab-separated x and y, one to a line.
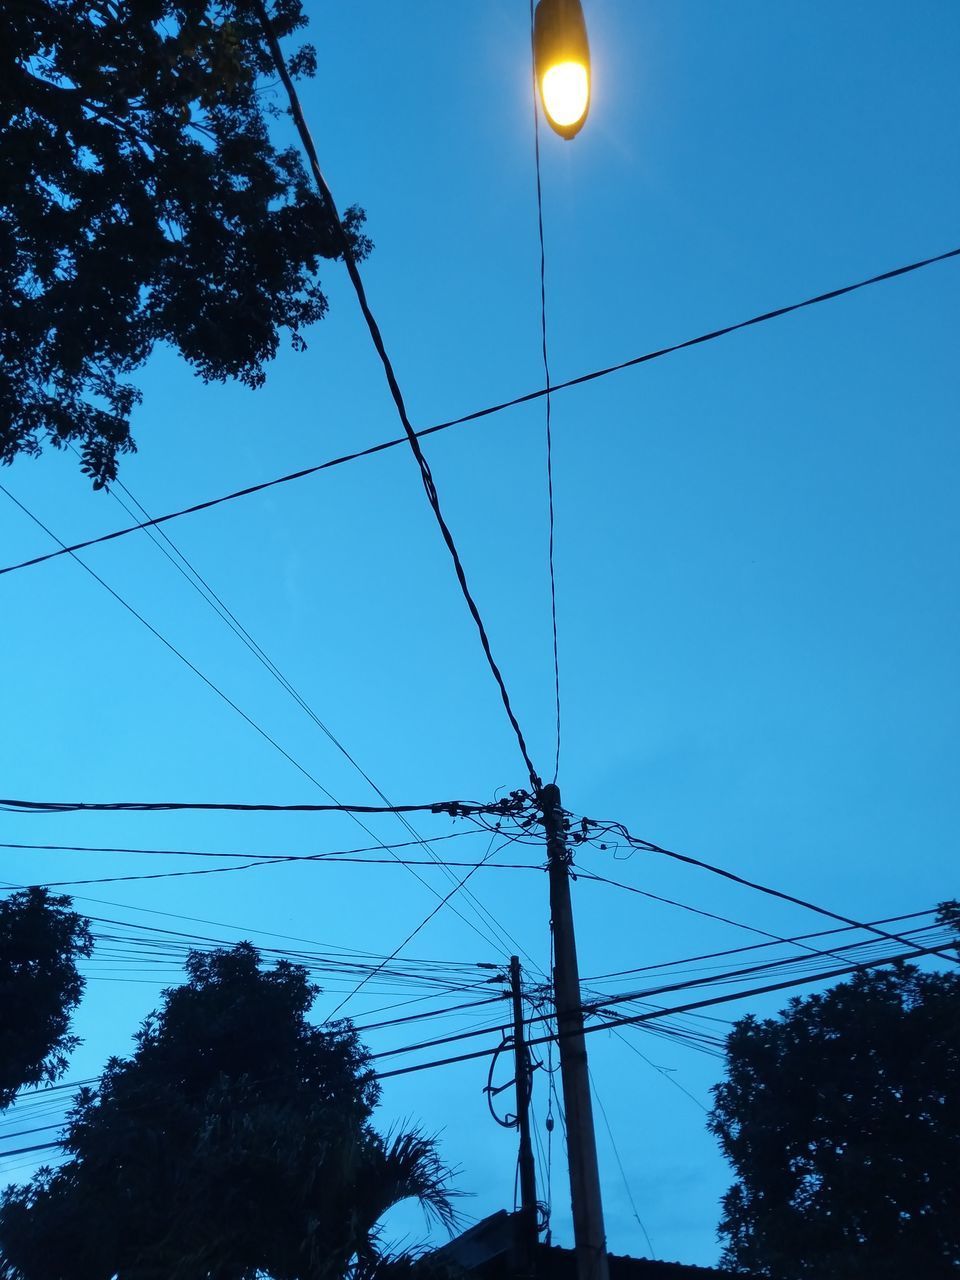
756	540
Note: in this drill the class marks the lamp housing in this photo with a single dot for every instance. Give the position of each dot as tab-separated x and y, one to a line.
561	59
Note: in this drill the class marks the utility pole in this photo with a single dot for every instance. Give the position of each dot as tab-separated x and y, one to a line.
529	1235
588	1232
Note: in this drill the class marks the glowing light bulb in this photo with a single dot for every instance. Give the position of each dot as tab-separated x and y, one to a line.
565	90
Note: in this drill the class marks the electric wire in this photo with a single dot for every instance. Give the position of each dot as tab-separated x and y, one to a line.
540	1154
247	930
581	874
650	847
777	938
296	112
164	641
239	711
33	1107
413	933
171	806
432	1013
592	1008
199	583
667	1075
208	853
32	1111
800	964
328	859
489	410
637	1019
607	1025
318	960
547	399
756	946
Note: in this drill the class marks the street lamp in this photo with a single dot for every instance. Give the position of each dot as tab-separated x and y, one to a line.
561	58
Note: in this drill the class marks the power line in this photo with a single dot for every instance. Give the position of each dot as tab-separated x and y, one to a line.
684	906
787	983
199	583
326	858
35	1105
648	847
547	399
611	1024
432	1013
489	410
20	1151
253	723
296	111
426	475
42	1128
192	575
246	930
594	1007
164	641
455	808
776	938
413	933
234	853
311	958
662	1013
756	946
174	944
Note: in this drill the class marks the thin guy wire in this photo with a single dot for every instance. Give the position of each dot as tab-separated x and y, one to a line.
662	1071
623	1172
486	412
413	933
410	936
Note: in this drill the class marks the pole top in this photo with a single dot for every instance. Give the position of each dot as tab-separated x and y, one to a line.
550	795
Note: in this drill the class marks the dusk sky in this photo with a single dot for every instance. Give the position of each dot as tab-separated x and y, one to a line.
755	548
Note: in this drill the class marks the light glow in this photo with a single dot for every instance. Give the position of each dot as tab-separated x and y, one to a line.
565	89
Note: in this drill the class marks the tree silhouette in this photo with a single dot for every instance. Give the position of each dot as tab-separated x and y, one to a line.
143	202
235	1143
41	940
841	1119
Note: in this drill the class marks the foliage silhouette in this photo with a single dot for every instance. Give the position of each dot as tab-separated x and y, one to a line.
144	203
948	913
841	1119
41	940
235	1143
